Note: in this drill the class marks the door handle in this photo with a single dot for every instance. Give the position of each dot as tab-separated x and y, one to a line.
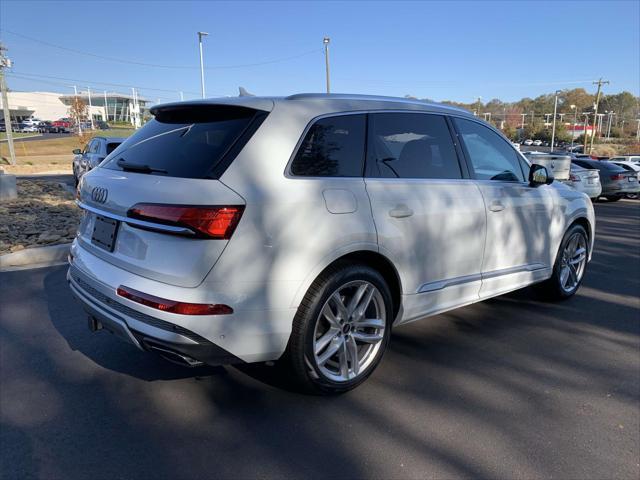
496	206
400	211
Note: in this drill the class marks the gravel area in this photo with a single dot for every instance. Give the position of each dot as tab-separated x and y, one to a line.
43	214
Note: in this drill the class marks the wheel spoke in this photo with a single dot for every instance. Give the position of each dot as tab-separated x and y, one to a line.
331	350
352	353
573	274
325	339
342	309
331	318
367	337
343	357
564	276
355	300
578	256
364	304
368	323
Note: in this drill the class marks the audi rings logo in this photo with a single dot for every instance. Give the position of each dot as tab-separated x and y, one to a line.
99	194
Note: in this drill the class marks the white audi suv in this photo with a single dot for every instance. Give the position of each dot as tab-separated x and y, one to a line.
303	229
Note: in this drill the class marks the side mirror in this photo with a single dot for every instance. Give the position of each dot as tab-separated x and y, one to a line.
539	175
77	151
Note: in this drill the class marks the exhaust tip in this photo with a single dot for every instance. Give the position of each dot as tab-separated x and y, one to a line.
174	357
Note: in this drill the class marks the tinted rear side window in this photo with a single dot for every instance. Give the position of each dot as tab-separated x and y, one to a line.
187	143
332	147
411	145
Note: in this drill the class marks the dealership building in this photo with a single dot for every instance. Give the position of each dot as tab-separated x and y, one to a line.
106	106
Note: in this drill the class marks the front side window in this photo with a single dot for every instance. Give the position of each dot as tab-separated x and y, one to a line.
333	147
411	145
492	158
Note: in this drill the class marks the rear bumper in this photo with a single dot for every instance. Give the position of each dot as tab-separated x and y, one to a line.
144	332
251	333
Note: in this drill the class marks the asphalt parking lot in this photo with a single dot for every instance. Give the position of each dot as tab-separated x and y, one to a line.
509	388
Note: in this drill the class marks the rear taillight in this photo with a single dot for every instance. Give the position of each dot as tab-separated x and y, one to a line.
617	177
574	178
210	222
172	306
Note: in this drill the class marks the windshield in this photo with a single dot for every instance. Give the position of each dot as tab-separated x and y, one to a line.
187	144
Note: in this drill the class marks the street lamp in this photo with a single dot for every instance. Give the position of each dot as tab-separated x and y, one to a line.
553	130
575	120
200	35
326	41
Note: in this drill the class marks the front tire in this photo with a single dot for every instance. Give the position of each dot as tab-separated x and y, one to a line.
613	198
571	263
341	329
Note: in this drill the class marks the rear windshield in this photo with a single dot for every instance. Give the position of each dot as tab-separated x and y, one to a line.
184	142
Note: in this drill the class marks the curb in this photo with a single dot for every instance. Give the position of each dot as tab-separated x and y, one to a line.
40	256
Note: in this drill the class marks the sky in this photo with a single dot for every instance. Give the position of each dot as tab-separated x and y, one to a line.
440	50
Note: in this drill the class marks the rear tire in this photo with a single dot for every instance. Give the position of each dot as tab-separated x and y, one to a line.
613	198
341	329
570	266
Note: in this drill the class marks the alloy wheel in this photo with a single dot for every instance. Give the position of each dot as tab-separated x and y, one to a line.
574	259
349	331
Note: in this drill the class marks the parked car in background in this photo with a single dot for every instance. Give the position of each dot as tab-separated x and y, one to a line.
558	163
31	121
64	125
616	181
537	143
585	180
93	153
102	125
192	244
28	128
631	167
528	142
626	158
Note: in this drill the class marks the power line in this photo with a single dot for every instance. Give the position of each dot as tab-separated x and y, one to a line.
155	65
67	79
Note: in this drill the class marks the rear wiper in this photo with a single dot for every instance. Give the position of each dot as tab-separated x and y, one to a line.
137	167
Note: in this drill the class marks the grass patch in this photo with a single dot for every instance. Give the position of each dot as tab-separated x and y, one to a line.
60	145
3	135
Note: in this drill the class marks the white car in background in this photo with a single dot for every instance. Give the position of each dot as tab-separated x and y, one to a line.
537	143
585	180
528	142
626	158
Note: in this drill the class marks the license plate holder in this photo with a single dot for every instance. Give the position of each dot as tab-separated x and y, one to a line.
104	233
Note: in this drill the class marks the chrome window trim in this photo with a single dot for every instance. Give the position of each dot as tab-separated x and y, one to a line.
135	222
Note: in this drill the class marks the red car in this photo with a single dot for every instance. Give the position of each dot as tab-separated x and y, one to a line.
63	125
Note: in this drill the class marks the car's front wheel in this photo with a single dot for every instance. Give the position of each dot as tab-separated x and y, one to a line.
613	198
570	265
341	329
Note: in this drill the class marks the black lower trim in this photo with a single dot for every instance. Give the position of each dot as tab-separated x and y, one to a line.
208	353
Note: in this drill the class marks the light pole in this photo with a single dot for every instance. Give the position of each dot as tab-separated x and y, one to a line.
90	107
575	120
76	100
611	114
200	35
326	41
553	130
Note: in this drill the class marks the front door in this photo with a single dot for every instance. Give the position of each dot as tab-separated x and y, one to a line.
519	216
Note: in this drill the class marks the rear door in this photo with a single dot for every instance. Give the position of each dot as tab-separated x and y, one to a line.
518	246
172	163
429	215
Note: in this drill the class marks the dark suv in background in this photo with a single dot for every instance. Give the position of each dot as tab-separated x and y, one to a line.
616	181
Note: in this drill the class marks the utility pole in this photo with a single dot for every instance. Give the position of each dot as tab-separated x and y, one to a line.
553	130
200	35
523	115
595	113
6	63
106	109
609	128
638	132
326	41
